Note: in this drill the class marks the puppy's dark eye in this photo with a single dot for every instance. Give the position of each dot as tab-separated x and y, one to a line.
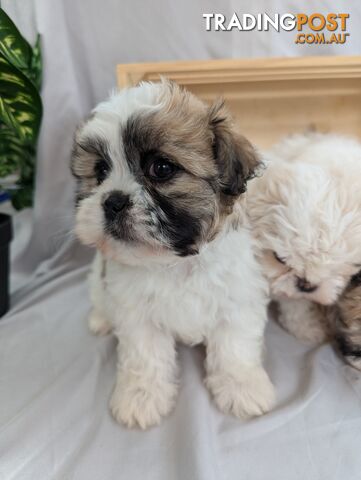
101	170
159	168
279	259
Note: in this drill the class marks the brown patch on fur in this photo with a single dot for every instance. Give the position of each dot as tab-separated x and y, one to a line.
350	308
345	321
342	324
236	157
201	139
348	325
82	162
215	161
85	154
179	130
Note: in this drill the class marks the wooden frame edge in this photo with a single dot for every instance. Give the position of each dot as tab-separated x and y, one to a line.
235	70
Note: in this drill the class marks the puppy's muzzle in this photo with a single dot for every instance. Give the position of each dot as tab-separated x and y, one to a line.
114	203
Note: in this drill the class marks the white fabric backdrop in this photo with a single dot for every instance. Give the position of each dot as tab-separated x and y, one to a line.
55	378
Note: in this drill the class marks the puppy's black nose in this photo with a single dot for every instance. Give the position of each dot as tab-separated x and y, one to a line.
114	203
304	286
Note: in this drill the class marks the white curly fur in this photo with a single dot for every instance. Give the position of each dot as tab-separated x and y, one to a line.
307	209
218	297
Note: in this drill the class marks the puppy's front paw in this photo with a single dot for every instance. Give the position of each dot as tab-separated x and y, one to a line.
306	320
248	394
142	404
98	324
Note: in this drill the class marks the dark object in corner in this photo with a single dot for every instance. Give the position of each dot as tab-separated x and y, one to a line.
5	239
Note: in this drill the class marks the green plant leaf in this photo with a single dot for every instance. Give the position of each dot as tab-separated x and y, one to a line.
20	109
20	103
14	156
35	70
18	52
13	45
8	118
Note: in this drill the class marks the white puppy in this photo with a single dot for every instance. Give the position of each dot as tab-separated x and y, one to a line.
306	214
159	179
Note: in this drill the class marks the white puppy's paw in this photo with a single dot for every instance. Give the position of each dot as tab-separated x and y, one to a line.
248	394
306	320
143	404
98	324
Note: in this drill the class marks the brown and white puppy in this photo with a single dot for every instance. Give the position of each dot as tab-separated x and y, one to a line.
160	175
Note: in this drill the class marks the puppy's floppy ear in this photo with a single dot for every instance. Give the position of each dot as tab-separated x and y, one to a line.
236	158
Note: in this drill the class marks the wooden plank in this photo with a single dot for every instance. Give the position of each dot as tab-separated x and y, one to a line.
270	97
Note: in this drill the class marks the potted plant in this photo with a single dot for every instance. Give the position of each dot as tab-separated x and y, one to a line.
20	118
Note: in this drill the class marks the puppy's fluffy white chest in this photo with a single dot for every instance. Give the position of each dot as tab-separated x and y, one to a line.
187	298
